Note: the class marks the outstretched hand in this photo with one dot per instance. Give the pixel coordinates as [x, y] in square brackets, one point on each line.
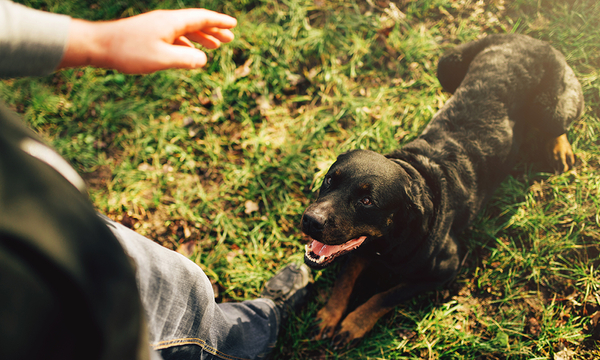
[148, 42]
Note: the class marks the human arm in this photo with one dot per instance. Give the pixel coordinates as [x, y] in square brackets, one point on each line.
[34, 42]
[149, 42]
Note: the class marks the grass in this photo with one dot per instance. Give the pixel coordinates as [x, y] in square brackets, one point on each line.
[220, 163]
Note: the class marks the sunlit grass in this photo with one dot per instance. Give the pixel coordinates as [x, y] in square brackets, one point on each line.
[220, 163]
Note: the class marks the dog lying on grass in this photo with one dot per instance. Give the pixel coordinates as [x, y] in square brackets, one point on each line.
[399, 216]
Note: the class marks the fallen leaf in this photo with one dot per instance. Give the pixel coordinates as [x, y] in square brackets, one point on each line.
[188, 121]
[204, 100]
[263, 103]
[564, 354]
[243, 70]
[176, 116]
[394, 13]
[407, 334]
[385, 32]
[312, 73]
[251, 206]
[145, 167]
[294, 79]
[186, 231]
[232, 254]
[533, 327]
[127, 220]
[187, 248]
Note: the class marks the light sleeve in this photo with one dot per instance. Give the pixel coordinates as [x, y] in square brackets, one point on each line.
[32, 42]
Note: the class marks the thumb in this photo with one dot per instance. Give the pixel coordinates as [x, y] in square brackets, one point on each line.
[183, 57]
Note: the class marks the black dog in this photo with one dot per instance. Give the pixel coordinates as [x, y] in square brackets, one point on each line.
[401, 214]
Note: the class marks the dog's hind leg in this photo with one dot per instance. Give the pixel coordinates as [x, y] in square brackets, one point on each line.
[561, 154]
[554, 107]
[330, 315]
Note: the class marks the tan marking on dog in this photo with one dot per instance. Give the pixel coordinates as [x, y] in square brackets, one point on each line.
[390, 220]
[359, 322]
[331, 314]
[561, 154]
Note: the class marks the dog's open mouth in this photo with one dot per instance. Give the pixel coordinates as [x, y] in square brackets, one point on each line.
[319, 255]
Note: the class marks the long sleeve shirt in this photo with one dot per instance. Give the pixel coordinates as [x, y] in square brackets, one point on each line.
[32, 42]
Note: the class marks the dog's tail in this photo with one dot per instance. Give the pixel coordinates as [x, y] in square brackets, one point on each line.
[454, 64]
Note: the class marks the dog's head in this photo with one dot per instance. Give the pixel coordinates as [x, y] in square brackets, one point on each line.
[364, 196]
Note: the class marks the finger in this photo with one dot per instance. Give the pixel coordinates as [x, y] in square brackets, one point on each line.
[182, 57]
[224, 35]
[191, 20]
[183, 41]
[205, 40]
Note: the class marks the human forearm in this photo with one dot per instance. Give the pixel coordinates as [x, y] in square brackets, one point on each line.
[148, 42]
[34, 42]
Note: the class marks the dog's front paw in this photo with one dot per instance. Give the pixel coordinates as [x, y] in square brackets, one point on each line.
[326, 323]
[352, 331]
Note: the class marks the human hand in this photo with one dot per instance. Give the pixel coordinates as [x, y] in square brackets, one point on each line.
[148, 42]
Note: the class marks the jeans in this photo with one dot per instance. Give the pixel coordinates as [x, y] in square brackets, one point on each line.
[184, 321]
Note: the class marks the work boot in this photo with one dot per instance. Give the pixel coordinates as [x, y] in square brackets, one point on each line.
[288, 289]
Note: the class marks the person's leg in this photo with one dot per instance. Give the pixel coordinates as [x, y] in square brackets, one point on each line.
[184, 320]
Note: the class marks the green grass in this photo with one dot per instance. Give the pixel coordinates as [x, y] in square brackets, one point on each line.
[183, 156]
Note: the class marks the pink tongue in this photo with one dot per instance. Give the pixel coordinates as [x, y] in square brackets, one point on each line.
[328, 250]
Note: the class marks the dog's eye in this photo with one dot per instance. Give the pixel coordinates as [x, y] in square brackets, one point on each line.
[328, 180]
[366, 201]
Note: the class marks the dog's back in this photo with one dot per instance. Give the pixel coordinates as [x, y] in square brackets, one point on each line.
[528, 76]
[503, 85]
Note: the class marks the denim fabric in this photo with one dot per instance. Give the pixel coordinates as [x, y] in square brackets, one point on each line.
[184, 320]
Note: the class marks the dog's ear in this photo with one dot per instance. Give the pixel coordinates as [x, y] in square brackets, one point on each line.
[414, 217]
[421, 204]
[416, 211]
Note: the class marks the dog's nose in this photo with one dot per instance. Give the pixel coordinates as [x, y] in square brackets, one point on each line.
[313, 224]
